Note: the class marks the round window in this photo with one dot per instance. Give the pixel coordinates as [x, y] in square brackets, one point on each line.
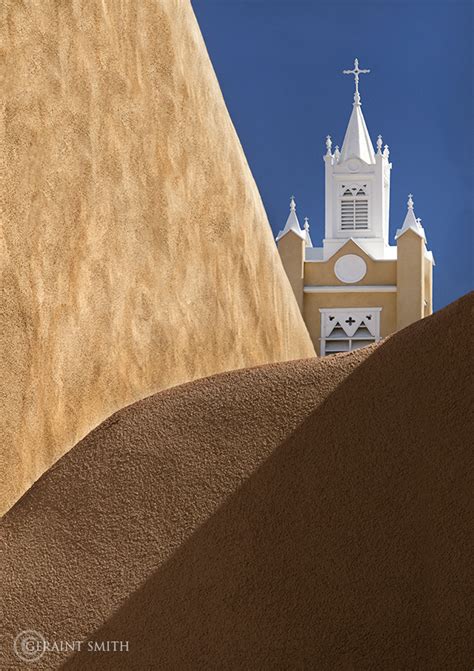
[350, 268]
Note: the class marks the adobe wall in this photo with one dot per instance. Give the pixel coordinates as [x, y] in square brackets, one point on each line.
[135, 252]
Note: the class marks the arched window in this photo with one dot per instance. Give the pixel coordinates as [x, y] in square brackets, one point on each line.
[354, 208]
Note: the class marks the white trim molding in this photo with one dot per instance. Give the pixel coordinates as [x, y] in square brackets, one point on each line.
[361, 288]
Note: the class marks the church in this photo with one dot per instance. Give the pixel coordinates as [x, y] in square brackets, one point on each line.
[357, 288]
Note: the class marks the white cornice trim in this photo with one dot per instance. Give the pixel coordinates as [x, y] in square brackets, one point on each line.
[362, 288]
[357, 241]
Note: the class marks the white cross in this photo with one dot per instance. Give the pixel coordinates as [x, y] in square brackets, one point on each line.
[356, 72]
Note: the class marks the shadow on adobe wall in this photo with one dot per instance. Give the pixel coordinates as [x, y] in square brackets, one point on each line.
[343, 551]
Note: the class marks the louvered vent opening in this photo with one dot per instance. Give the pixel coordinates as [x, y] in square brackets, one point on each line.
[347, 214]
[354, 209]
[361, 213]
[346, 329]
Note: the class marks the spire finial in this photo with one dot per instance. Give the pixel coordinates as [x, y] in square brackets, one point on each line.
[292, 204]
[356, 72]
[328, 145]
[410, 201]
[337, 153]
[386, 151]
[306, 224]
[379, 144]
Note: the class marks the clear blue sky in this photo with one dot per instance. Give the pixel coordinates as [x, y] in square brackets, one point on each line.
[279, 65]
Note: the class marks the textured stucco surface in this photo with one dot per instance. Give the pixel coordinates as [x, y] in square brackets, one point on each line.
[135, 253]
[303, 515]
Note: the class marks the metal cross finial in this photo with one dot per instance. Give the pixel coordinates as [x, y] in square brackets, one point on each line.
[356, 72]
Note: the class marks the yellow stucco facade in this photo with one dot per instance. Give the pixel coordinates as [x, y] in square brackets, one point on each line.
[400, 288]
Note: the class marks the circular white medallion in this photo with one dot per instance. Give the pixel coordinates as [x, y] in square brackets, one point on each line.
[350, 268]
[353, 165]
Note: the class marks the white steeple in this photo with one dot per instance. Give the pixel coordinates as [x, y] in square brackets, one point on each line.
[292, 223]
[357, 187]
[357, 143]
[411, 222]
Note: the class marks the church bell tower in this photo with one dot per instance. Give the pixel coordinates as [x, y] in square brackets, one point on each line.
[357, 288]
[357, 184]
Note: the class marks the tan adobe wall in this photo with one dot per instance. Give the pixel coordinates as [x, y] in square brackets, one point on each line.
[135, 252]
[308, 515]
